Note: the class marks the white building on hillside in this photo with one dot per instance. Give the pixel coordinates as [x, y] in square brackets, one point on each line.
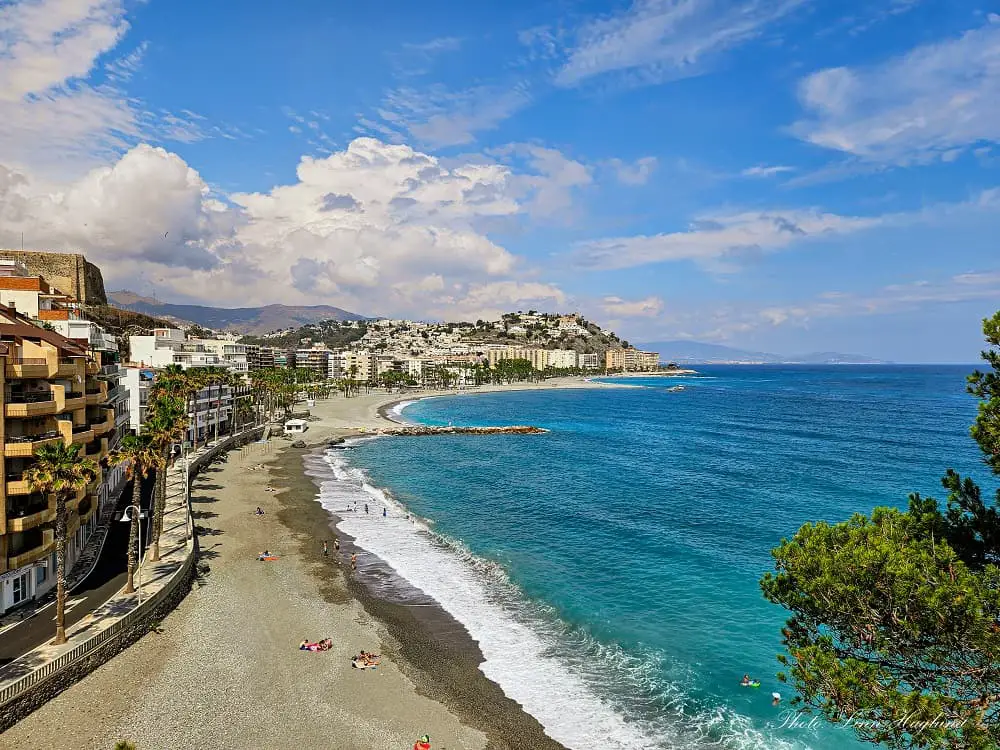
[168, 346]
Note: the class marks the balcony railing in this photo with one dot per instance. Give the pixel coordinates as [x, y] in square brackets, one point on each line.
[33, 438]
[78, 428]
[27, 505]
[27, 361]
[34, 397]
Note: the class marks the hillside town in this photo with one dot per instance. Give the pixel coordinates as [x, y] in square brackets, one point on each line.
[69, 380]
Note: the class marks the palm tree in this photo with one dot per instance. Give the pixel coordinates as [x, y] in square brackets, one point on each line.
[60, 471]
[141, 455]
[165, 425]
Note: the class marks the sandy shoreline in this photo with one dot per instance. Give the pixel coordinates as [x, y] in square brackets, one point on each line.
[226, 670]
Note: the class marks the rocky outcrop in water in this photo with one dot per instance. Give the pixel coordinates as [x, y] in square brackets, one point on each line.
[415, 430]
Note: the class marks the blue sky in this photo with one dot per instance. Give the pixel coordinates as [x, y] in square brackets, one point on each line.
[783, 175]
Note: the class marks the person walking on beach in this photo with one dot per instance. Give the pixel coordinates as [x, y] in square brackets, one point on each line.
[336, 544]
[354, 562]
[384, 513]
[366, 509]
[325, 550]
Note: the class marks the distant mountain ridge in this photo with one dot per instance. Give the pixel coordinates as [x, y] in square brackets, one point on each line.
[697, 352]
[254, 320]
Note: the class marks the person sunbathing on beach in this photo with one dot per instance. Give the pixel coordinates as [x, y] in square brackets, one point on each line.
[424, 743]
[263, 555]
[259, 511]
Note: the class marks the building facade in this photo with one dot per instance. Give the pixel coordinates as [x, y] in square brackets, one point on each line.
[631, 360]
[51, 393]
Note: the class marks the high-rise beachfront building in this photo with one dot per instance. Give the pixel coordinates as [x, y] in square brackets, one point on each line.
[589, 361]
[316, 358]
[52, 392]
[539, 358]
[631, 360]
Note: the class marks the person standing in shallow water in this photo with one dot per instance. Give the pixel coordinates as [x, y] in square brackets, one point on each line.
[336, 544]
[354, 562]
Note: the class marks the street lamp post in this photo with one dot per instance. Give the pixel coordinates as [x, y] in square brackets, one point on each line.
[127, 518]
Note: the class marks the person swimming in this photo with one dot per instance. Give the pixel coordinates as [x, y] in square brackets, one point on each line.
[746, 681]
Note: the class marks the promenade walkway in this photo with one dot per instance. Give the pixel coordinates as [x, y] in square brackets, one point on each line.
[176, 545]
[98, 574]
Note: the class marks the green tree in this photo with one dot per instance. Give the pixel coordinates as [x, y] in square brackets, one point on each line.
[166, 423]
[59, 470]
[895, 618]
[141, 456]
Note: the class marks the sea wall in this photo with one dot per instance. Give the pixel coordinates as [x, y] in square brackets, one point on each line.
[32, 690]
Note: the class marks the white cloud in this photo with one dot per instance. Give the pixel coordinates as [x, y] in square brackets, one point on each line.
[48, 42]
[439, 116]
[486, 301]
[667, 39]
[762, 170]
[636, 173]
[54, 119]
[650, 307]
[374, 227]
[926, 104]
[712, 240]
[550, 189]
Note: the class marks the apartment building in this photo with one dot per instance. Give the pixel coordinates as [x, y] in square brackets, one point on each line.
[234, 355]
[316, 358]
[210, 413]
[30, 295]
[562, 359]
[631, 360]
[169, 346]
[355, 364]
[588, 361]
[540, 358]
[51, 393]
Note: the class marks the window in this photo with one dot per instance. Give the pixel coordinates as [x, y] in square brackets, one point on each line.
[20, 588]
[41, 575]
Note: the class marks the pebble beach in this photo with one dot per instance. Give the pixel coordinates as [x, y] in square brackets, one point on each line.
[224, 670]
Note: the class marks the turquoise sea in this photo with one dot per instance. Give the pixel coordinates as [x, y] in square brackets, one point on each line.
[609, 567]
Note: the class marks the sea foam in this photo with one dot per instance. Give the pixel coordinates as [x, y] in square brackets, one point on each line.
[580, 690]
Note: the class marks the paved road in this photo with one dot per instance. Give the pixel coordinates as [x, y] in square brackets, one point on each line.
[107, 577]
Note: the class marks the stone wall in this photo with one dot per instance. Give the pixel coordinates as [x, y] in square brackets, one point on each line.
[44, 691]
[70, 273]
[141, 620]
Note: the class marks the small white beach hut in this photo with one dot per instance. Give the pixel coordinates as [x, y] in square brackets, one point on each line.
[296, 426]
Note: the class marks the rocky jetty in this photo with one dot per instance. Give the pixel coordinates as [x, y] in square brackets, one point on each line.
[417, 430]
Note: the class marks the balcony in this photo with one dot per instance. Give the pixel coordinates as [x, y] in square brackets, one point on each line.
[29, 404]
[75, 400]
[87, 508]
[38, 544]
[70, 367]
[27, 367]
[82, 434]
[103, 428]
[28, 512]
[93, 368]
[25, 446]
[96, 394]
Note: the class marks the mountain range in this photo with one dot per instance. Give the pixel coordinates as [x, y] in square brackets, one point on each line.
[696, 352]
[253, 320]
